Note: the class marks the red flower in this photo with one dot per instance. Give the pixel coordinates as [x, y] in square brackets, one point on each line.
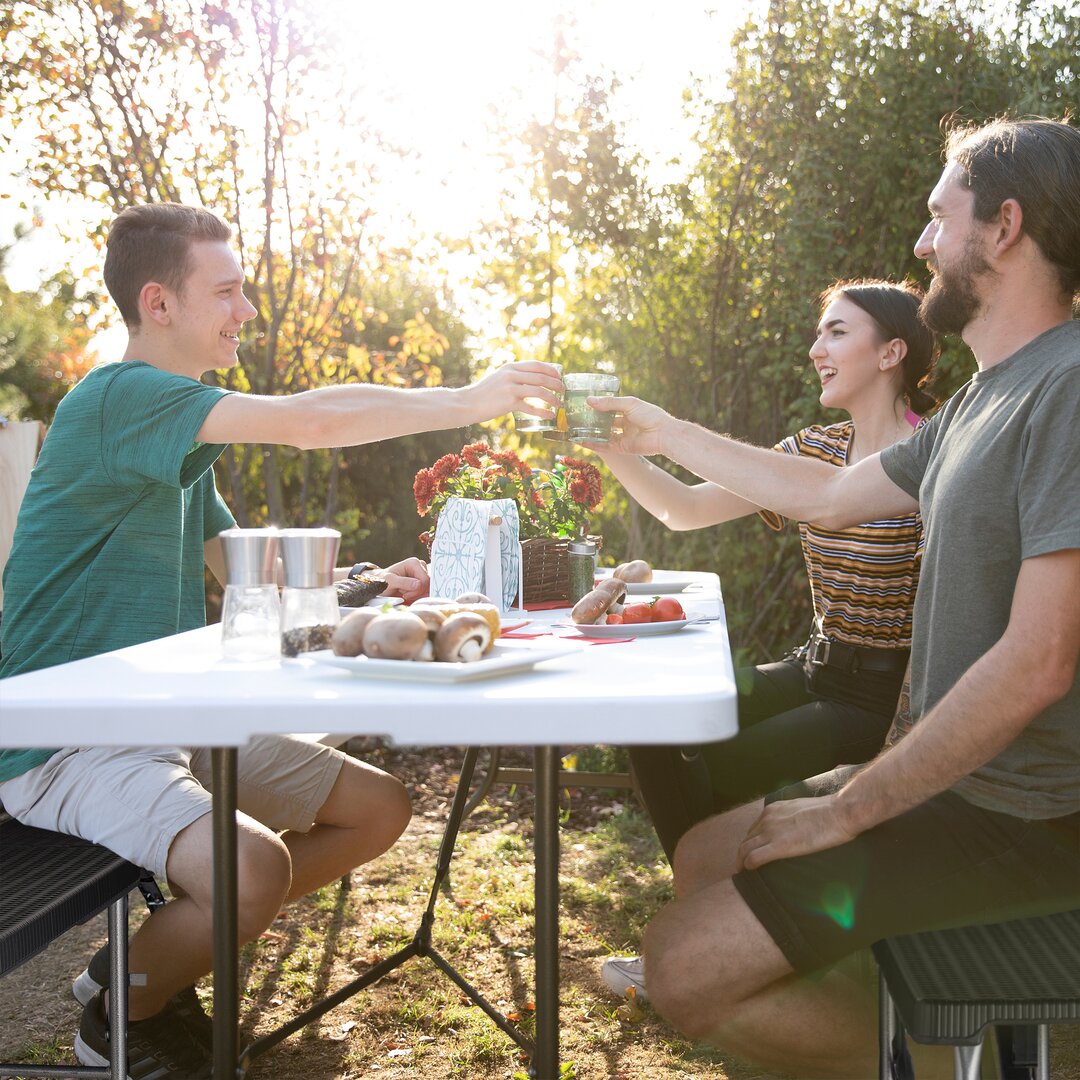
[579, 491]
[472, 452]
[445, 467]
[552, 503]
[424, 488]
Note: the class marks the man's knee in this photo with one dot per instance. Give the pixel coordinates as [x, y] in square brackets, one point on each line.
[263, 870]
[688, 993]
[264, 875]
[397, 809]
[708, 852]
[706, 957]
[374, 804]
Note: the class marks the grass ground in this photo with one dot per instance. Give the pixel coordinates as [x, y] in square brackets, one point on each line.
[415, 1022]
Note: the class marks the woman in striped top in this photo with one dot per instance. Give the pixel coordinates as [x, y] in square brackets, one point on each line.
[829, 702]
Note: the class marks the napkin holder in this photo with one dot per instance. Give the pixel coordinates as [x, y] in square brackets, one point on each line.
[476, 549]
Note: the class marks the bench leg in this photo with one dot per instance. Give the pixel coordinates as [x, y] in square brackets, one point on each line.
[894, 1061]
[118, 996]
[966, 1060]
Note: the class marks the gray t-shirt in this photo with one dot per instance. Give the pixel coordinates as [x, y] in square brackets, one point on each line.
[997, 476]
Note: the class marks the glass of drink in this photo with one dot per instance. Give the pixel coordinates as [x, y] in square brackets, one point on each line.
[585, 424]
[525, 422]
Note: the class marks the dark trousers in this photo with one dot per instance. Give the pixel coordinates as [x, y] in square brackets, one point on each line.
[787, 732]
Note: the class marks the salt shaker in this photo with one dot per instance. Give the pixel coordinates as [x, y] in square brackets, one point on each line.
[251, 614]
[309, 606]
[582, 556]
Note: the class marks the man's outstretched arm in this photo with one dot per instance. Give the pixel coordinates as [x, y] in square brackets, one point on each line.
[796, 487]
[360, 413]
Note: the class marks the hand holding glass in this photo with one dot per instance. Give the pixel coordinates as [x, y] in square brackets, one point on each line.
[524, 422]
[584, 423]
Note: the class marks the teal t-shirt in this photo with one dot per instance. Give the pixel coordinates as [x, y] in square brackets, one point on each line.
[108, 548]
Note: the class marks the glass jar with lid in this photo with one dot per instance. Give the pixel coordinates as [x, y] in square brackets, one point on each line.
[582, 557]
[251, 612]
[309, 607]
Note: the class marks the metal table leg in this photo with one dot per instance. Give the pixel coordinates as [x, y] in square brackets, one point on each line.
[545, 1064]
[226, 961]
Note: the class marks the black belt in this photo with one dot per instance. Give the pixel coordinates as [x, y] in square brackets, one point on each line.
[824, 652]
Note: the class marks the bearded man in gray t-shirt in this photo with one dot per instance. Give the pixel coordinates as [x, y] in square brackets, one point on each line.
[973, 815]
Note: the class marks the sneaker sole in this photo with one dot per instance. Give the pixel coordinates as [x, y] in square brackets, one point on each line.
[84, 988]
[86, 1055]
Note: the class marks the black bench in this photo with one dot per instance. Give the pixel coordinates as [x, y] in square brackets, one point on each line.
[50, 883]
[946, 987]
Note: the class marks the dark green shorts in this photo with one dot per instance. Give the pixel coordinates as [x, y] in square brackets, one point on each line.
[943, 863]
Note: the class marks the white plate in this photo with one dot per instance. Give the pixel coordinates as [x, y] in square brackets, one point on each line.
[658, 588]
[502, 660]
[625, 630]
[653, 588]
[375, 601]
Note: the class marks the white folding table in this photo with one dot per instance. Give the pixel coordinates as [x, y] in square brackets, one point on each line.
[675, 688]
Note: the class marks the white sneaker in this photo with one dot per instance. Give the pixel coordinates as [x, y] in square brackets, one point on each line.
[620, 973]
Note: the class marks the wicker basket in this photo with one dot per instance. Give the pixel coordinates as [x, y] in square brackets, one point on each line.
[545, 569]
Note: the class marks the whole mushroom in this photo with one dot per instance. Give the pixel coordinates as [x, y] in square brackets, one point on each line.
[348, 636]
[433, 618]
[395, 635]
[638, 570]
[607, 596]
[473, 598]
[463, 637]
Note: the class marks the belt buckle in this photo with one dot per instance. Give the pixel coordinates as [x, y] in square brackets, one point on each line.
[820, 648]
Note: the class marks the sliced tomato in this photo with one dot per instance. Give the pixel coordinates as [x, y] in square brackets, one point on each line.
[667, 609]
[614, 620]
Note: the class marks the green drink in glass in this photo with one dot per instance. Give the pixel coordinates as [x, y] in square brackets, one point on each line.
[585, 424]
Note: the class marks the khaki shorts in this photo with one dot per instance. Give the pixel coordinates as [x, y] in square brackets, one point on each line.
[135, 801]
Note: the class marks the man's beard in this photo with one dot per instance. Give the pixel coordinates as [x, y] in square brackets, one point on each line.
[952, 300]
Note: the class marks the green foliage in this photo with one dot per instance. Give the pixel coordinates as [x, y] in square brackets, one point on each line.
[43, 340]
[132, 102]
[814, 165]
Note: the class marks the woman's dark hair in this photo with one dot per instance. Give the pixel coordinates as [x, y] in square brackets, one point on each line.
[153, 243]
[894, 307]
[1037, 163]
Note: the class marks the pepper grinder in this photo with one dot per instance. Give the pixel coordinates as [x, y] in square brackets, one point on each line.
[251, 614]
[309, 606]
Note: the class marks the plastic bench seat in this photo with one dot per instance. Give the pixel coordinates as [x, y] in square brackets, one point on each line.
[50, 883]
[948, 986]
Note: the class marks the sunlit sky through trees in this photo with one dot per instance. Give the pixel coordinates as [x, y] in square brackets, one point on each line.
[429, 75]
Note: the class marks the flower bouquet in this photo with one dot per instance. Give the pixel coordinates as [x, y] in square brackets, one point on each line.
[553, 506]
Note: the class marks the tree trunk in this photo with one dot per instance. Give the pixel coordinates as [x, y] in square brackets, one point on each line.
[275, 497]
[332, 485]
[235, 469]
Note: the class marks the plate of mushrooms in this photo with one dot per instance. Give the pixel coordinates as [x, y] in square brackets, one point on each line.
[446, 641]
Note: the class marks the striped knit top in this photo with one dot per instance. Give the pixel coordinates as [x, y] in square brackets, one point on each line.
[862, 579]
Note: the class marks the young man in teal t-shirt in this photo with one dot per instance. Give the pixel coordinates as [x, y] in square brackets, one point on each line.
[118, 521]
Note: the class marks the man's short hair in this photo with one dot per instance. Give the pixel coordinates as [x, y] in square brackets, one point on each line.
[1037, 163]
[153, 243]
